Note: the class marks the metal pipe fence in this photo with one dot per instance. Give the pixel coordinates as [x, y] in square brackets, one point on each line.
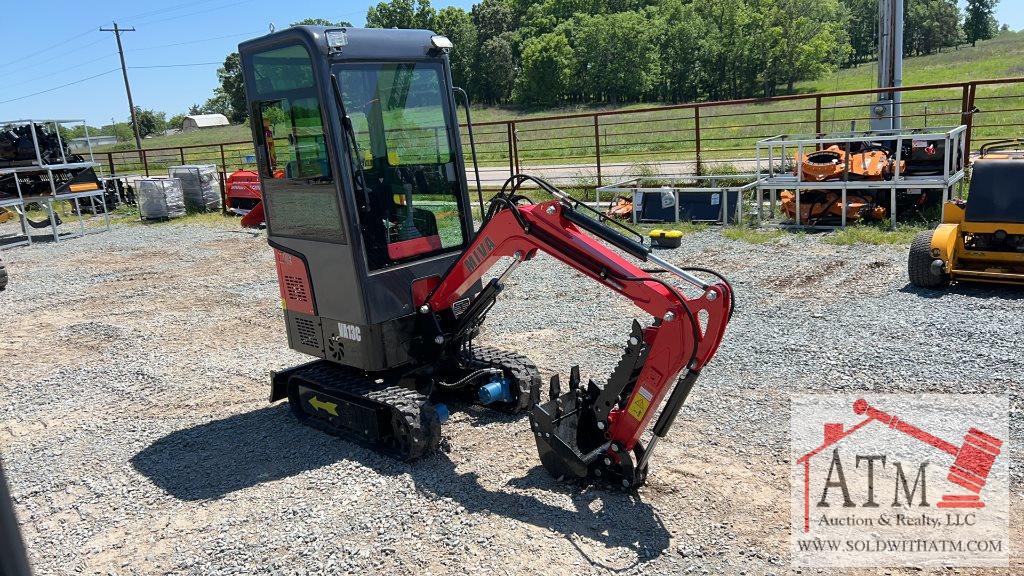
[589, 149]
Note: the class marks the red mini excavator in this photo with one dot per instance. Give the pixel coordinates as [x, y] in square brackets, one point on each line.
[384, 279]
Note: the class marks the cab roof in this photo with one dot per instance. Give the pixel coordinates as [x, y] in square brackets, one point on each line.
[363, 43]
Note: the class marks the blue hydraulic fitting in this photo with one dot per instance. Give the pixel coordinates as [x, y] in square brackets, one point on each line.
[442, 413]
[497, 390]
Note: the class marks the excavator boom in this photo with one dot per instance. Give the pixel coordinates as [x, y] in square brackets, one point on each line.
[596, 427]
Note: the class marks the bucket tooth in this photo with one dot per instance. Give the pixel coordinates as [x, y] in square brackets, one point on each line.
[554, 388]
[574, 378]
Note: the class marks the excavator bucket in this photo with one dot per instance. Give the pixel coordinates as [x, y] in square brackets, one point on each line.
[571, 434]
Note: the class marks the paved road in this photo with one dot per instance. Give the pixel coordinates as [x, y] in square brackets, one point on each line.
[586, 174]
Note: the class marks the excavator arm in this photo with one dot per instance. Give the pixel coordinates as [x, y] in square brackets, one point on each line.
[589, 431]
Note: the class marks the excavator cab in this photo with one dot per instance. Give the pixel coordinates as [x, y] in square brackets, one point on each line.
[363, 180]
[382, 275]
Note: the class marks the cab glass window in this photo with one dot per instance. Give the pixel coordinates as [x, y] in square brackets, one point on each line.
[294, 137]
[406, 174]
[301, 200]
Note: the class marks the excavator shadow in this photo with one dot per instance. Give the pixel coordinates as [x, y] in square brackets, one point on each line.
[212, 460]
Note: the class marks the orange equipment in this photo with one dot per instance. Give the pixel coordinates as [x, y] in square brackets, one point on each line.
[621, 208]
[821, 165]
[833, 163]
[817, 204]
[872, 162]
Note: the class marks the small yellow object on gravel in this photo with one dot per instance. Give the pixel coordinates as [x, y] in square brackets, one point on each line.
[666, 238]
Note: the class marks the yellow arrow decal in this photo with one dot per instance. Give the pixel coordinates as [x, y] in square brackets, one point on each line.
[329, 407]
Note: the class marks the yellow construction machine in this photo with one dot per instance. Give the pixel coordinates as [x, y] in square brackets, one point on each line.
[980, 239]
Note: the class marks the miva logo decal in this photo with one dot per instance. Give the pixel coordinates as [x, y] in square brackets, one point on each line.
[481, 252]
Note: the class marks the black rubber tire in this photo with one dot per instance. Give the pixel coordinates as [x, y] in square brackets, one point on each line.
[519, 368]
[919, 263]
[3, 276]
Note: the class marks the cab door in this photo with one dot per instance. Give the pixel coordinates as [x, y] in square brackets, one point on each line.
[305, 215]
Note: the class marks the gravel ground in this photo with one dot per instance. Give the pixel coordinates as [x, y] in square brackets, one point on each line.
[135, 433]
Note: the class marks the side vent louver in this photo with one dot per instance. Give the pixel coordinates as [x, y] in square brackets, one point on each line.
[296, 288]
[307, 332]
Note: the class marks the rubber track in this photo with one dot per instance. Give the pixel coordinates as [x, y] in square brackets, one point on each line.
[522, 370]
[919, 262]
[424, 428]
[3, 276]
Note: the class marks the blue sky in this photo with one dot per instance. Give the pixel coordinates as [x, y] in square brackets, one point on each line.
[203, 32]
[206, 31]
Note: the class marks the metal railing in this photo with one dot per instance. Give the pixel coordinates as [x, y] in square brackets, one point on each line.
[588, 149]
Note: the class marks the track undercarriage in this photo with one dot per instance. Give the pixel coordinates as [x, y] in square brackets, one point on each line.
[400, 412]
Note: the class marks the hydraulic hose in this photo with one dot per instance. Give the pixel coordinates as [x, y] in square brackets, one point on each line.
[468, 377]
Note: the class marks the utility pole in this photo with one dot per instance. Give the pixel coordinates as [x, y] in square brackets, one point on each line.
[127, 87]
[890, 57]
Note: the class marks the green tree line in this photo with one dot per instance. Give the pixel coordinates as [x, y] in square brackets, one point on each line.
[554, 52]
[610, 51]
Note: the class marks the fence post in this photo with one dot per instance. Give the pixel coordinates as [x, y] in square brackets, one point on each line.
[597, 148]
[181, 150]
[110, 162]
[817, 117]
[145, 161]
[515, 147]
[223, 196]
[223, 179]
[963, 101]
[967, 116]
[511, 154]
[696, 138]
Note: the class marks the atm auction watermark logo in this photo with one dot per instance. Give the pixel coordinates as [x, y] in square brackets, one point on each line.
[899, 480]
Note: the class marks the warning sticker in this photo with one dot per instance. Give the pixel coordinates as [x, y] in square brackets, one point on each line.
[641, 402]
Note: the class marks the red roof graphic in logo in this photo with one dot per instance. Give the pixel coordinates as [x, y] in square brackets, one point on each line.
[971, 465]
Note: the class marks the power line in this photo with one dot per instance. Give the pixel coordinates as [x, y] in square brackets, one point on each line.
[62, 70]
[50, 59]
[104, 74]
[47, 49]
[175, 65]
[201, 40]
[187, 14]
[166, 9]
[59, 87]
